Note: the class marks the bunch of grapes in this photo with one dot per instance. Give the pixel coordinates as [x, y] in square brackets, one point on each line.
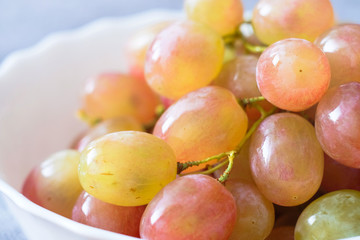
[224, 128]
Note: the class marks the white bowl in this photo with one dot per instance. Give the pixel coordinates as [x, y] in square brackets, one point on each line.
[39, 96]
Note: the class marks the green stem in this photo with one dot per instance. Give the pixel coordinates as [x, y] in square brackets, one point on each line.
[209, 171]
[253, 48]
[226, 174]
[246, 101]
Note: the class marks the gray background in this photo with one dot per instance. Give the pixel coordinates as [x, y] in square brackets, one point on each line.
[25, 22]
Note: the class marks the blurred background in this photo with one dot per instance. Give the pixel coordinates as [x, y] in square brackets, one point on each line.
[23, 23]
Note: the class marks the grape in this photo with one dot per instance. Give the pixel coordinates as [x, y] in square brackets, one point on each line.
[341, 44]
[239, 76]
[282, 233]
[255, 214]
[338, 176]
[194, 207]
[337, 124]
[93, 212]
[335, 215]
[54, 184]
[176, 65]
[126, 168]
[293, 74]
[286, 159]
[138, 45]
[223, 16]
[201, 124]
[109, 126]
[111, 95]
[274, 20]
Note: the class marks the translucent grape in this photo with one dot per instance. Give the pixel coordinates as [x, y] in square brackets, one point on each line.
[239, 76]
[125, 123]
[138, 44]
[335, 215]
[111, 95]
[286, 159]
[176, 65]
[293, 74]
[338, 176]
[274, 20]
[93, 212]
[341, 44]
[255, 214]
[201, 124]
[54, 184]
[223, 16]
[126, 168]
[194, 207]
[337, 124]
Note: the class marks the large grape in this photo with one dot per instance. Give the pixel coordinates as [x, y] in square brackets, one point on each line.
[337, 124]
[293, 74]
[126, 168]
[223, 16]
[54, 184]
[335, 215]
[255, 214]
[93, 212]
[184, 57]
[341, 44]
[274, 20]
[194, 207]
[203, 123]
[286, 159]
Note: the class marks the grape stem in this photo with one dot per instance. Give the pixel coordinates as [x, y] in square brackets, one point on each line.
[246, 101]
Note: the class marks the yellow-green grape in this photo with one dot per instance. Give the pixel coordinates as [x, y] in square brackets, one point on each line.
[274, 20]
[223, 16]
[127, 168]
[184, 57]
[335, 215]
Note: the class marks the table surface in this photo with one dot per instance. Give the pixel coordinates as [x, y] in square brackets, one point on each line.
[23, 23]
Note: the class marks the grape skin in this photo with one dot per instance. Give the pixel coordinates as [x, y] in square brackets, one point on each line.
[293, 74]
[176, 65]
[286, 159]
[93, 212]
[193, 207]
[126, 168]
[341, 44]
[274, 20]
[337, 124]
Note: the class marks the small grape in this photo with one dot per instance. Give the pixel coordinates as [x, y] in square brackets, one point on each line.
[126, 168]
[184, 57]
[54, 184]
[337, 124]
[293, 74]
[274, 20]
[223, 16]
[335, 215]
[93, 212]
[193, 207]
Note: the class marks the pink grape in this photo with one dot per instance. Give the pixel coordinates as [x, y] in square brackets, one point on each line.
[286, 159]
[54, 184]
[341, 44]
[293, 74]
[193, 207]
[176, 65]
[191, 129]
[274, 20]
[337, 123]
[96, 213]
[255, 214]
